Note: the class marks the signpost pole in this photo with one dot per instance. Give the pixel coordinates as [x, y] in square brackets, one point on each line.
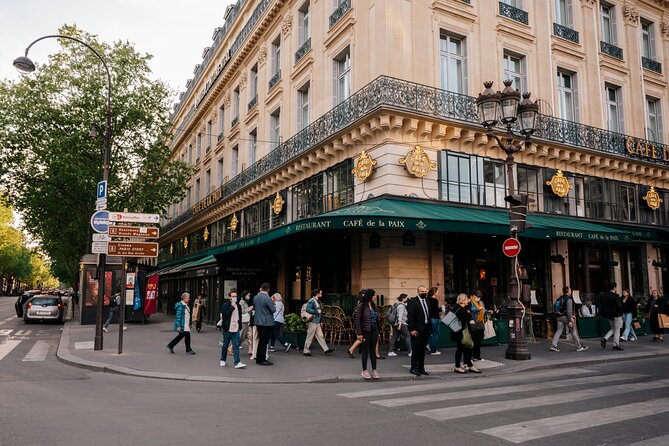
[121, 319]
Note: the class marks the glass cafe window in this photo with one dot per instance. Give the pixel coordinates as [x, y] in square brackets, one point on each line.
[495, 185]
[529, 184]
[472, 179]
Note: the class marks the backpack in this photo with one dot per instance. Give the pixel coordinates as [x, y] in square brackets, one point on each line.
[392, 314]
[306, 317]
[559, 306]
[113, 303]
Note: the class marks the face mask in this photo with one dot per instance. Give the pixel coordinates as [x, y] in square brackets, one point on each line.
[423, 295]
[234, 299]
[477, 299]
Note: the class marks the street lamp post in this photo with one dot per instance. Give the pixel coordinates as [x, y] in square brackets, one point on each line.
[505, 107]
[25, 65]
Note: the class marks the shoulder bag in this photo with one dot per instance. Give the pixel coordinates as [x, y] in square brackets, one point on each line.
[489, 330]
[467, 340]
[452, 321]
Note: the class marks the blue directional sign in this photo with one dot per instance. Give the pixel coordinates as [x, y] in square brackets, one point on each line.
[102, 189]
[100, 221]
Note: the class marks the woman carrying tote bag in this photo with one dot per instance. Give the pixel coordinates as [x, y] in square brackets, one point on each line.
[463, 337]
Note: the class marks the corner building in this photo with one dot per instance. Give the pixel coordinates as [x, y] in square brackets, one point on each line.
[337, 144]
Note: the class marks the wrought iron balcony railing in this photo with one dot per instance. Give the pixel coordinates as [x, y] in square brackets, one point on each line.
[513, 13]
[409, 97]
[253, 102]
[612, 50]
[651, 65]
[234, 122]
[274, 80]
[565, 32]
[339, 12]
[306, 46]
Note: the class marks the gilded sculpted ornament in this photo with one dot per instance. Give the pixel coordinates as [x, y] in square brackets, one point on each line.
[171, 248]
[185, 242]
[205, 234]
[418, 163]
[653, 199]
[559, 184]
[277, 206]
[234, 222]
[364, 167]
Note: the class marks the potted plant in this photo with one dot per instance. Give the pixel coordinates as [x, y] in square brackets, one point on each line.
[294, 330]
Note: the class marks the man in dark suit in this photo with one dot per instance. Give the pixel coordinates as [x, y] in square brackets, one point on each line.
[611, 308]
[420, 329]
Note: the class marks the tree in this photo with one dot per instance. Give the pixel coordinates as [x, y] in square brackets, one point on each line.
[15, 258]
[49, 166]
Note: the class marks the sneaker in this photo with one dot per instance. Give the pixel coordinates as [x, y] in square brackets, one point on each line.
[582, 348]
[190, 352]
[171, 349]
[478, 359]
[220, 343]
[125, 328]
[435, 353]
[365, 374]
[603, 342]
[271, 349]
[623, 339]
[222, 363]
[105, 329]
[328, 351]
[307, 354]
[240, 365]
[288, 345]
[392, 354]
[375, 374]
[409, 355]
[555, 349]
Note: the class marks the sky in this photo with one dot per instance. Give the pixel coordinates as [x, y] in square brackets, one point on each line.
[174, 31]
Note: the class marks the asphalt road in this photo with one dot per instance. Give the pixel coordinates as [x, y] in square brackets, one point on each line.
[45, 402]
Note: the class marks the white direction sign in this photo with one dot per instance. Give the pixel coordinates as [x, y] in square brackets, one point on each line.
[100, 204]
[99, 248]
[101, 238]
[128, 217]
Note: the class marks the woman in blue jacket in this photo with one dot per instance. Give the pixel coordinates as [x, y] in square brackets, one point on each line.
[182, 324]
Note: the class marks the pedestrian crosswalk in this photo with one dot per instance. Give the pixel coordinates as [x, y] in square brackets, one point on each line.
[542, 404]
[16, 349]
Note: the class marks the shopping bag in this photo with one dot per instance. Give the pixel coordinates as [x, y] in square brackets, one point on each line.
[636, 324]
[489, 330]
[467, 340]
[452, 321]
[663, 320]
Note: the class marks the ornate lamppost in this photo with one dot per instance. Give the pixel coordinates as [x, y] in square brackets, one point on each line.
[25, 65]
[506, 108]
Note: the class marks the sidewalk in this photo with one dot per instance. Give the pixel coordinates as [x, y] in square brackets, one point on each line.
[145, 354]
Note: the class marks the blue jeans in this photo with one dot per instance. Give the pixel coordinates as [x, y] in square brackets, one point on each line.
[432, 343]
[276, 335]
[227, 338]
[627, 318]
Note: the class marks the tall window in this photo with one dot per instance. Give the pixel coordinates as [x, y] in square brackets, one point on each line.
[343, 76]
[567, 99]
[253, 93]
[235, 103]
[276, 56]
[253, 146]
[628, 203]
[210, 130]
[188, 197]
[197, 190]
[647, 40]
[654, 120]
[452, 59]
[608, 23]
[207, 182]
[190, 154]
[303, 107]
[221, 120]
[198, 147]
[563, 13]
[614, 108]
[235, 162]
[304, 23]
[220, 172]
[529, 183]
[275, 128]
[515, 3]
[514, 69]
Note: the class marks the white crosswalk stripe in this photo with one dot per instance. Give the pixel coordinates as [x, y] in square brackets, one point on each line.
[7, 347]
[39, 352]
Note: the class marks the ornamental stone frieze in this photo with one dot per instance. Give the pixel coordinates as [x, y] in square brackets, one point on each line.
[287, 25]
[262, 55]
[664, 28]
[227, 100]
[631, 14]
[242, 81]
[589, 3]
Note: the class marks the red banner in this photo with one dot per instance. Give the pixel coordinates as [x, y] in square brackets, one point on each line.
[151, 295]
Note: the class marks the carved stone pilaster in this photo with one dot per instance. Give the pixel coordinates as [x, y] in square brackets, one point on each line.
[664, 28]
[287, 25]
[262, 56]
[227, 100]
[631, 14]
[242, 81]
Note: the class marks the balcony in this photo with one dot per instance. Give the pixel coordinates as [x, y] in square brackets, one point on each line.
[274, 80]
[220, 136]
[339, 12]
[431, 103]
[612, 50]
[513, 13]
[565, 32]
[253, 102]
[235, 121]
[652, 65]
[306, 46]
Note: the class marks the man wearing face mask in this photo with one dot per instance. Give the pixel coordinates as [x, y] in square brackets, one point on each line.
[420, 328]
[231, 316]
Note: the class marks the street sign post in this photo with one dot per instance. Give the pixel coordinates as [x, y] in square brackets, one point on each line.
[99, 248]
[101, 237]
[511, 247]
[133, 249]
[129, 217]
[100, 221]
[134, 231]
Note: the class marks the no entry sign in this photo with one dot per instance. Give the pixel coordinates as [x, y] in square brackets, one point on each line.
[511, 247]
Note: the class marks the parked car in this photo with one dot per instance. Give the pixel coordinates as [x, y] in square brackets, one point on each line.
[22, 300]
[44, 308]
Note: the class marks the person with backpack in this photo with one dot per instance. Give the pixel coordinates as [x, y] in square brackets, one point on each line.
[313, 315]
[114, 305]
[398, 317]
[563, 308]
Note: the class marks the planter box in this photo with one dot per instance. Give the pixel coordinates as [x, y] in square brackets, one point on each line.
[297, 339]
[444, 339]
[587, 327]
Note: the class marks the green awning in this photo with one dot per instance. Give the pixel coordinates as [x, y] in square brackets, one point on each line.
[557, 227]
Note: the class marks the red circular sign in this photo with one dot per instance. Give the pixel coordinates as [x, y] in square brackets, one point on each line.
[511, 247]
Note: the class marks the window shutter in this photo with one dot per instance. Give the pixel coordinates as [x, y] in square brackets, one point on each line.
[465, 68]
[621, 113]
[651, 36]
[659, 118]
[575, 87]
[570, 14]
[614, 28]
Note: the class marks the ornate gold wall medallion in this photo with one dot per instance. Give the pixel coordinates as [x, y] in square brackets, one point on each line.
[653, 199]
[277, 206]
[205, 234]
[185, 242]
[559, 184]
[418, 163]
[364, 167]
[234, 222]
[171, 248]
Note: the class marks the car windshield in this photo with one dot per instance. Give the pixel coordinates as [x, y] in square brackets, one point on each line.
[44, 301]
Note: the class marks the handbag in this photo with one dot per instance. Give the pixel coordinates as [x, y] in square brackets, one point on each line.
[452, 321]
[663, 320]
[467, 340]
[489, 330]
[636, 324]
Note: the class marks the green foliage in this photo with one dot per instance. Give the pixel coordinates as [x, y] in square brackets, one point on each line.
[49, 166]
[294, 323]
